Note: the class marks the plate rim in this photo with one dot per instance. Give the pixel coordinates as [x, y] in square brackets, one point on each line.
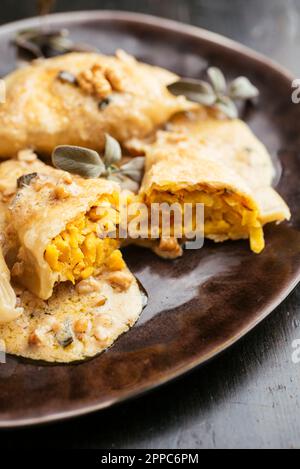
[214, 38]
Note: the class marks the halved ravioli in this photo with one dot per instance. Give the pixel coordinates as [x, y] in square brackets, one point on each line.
[76, 98]
[66, 229]
[57, 227]
[77, 322]
[26, 163]
[182, 170]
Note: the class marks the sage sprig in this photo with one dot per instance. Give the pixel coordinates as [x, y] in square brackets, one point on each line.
[216, 93]
[88, 163]
[36, 43]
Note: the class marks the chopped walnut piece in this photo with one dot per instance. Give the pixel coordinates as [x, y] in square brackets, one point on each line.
[35, 339]
[103, 320]
[50, 325]
[89, 285]
[67, 179]
[7, 195]
[168, 248]
[8, 192]
[124, 57]
[178, 137]
[53, 325]
[101, 301]
[41, 183]
[120, 280]
[82, 325]
[60, 192]
[115, 78]
[101, 334]
[94, 82]
[169, 244]
[18, 290]
[101, 80]
[27, 155]
[18, 269]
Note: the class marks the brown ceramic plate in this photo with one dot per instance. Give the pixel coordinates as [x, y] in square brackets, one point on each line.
[198, 305]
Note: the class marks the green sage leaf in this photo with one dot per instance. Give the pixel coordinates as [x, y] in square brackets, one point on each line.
[217, 79]
[227, 107]
[113, 152]
[242, 88]
[134, 169]
[65, 336]
[39, 43]
[104, 103]
[195, 90]
[78, 160]
[124, 181]
[26, 41]
[25, 180]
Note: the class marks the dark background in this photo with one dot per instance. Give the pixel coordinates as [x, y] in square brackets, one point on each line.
[270, 26]
[248, 397]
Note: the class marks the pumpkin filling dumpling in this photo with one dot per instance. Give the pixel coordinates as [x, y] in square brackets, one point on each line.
[187, 172]
[77, 321]
[66, 229]
[78, 245]
[76, 98]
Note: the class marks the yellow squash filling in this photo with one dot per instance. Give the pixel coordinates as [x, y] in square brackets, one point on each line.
[78, 252]
[226, 215]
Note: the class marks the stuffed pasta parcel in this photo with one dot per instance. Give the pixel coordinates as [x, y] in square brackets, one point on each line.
[76, 98]
[220, 164]
[70, 294]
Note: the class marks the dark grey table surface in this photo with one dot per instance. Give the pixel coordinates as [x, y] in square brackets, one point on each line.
[249, 396]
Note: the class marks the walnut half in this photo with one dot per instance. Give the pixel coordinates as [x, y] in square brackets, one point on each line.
[121, 281]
